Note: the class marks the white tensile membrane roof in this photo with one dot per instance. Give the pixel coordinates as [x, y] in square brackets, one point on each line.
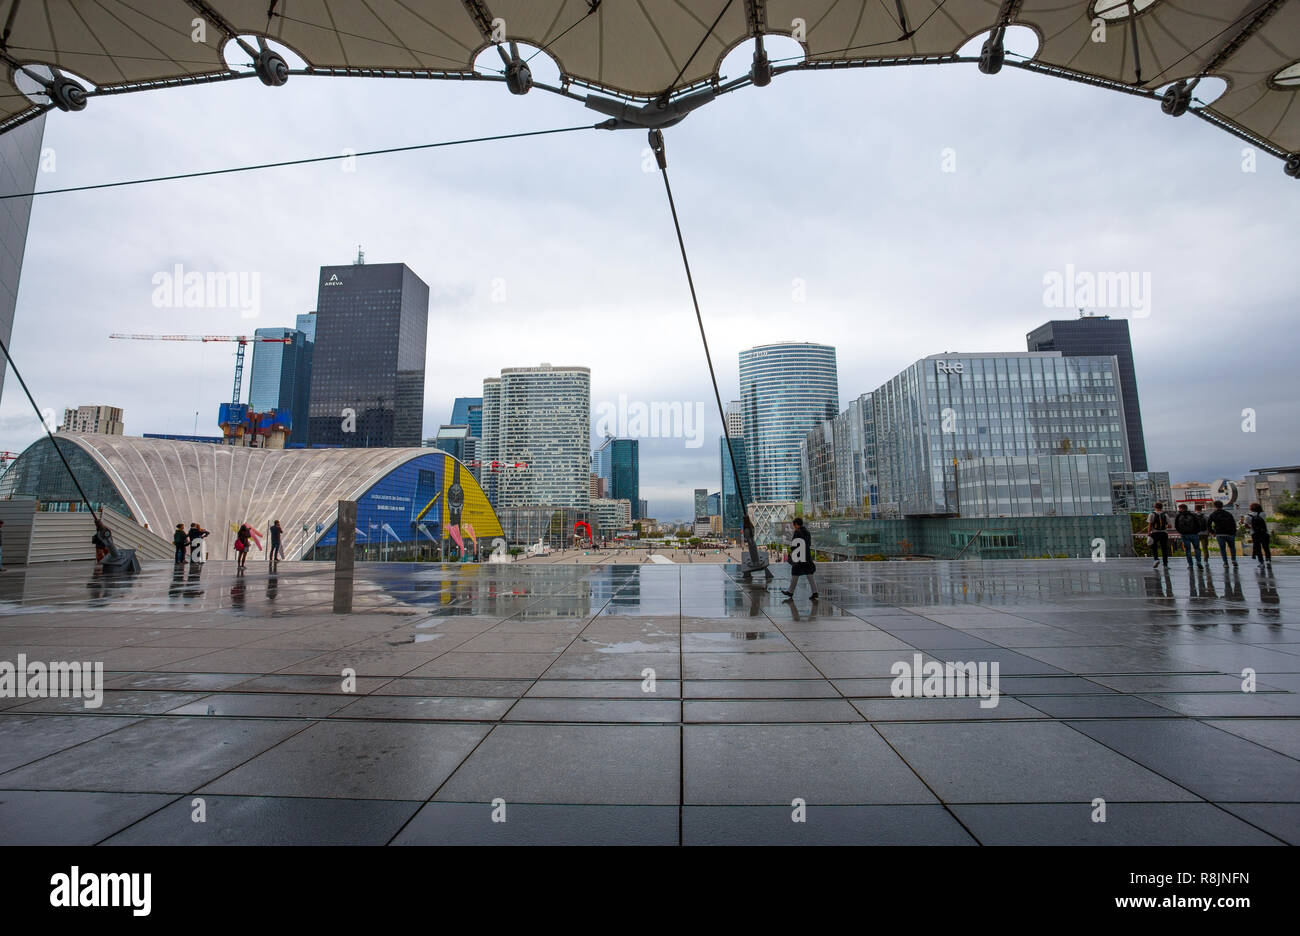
[659, 50]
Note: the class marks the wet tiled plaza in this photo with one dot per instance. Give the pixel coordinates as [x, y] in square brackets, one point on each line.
[658, 704]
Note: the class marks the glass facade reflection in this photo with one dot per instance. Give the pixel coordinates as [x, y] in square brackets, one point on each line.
[368, 361]
[281, 377]
[949, 409]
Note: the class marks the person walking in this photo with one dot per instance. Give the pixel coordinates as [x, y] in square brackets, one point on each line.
[241, 545]
[276, 552]
[1189, 528]
[196, 535]
[180, 541]
[1158, 530]
[1224, 528]
[801, 561]
[1259, 537]
[1203, 530]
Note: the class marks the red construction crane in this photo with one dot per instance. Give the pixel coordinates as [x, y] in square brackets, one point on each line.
[239, 355]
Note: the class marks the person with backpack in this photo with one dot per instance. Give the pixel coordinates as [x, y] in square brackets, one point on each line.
[801, 560]
[1259, 537]
[1203, 530]
[1189, 529]
[1158, 530]
[1224, 528]
[180, 541]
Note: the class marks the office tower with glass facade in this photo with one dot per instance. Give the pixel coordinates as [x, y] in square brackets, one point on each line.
[701, 502]
[1101, 336]
[838, 459]
[20, 157]
[367, 382]
[785, 390]
[468, 411]
[946, 412]
[306, 323]
[545, 428]
[281, 377]
[618, 462]
[489, 449]
[731, 512]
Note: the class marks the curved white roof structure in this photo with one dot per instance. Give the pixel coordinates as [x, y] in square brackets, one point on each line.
[630, 52]
[164, 482]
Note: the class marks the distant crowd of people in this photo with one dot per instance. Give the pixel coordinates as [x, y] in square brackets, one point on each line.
[1194, 528]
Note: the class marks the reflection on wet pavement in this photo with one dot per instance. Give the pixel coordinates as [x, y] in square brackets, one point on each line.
[656, 703]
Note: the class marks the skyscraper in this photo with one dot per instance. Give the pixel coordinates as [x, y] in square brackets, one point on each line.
[545, 425]
[701, 502]
[281, 377]
[20, 155]
[618, 461]
[731, 513]
[785, 390]
[1100, 335]
[367, 383]
[468, 411]
[490, 446]
[306, 323]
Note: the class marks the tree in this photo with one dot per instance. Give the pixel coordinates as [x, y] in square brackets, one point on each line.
[1289, 506]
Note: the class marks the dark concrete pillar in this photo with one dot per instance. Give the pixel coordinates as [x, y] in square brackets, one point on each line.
[345, 556]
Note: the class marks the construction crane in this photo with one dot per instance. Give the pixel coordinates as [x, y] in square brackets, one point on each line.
[243, 340]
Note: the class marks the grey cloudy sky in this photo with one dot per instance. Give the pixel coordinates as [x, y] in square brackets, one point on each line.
[832, 178]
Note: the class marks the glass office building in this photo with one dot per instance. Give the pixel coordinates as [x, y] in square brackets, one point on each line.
[20, 155]
[1093, 336]
[368, 361]
[731, 512]
[468, 411]
[618, 461]
[838, 460]
[544, 437]
[947, 411]
[281, 377]
[785, 390]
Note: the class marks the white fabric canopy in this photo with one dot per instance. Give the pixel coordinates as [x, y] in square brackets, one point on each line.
[645, 49]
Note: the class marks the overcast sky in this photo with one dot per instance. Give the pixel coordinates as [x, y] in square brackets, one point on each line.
[835, 179]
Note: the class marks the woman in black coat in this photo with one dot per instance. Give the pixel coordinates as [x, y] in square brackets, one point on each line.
[801, 561]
